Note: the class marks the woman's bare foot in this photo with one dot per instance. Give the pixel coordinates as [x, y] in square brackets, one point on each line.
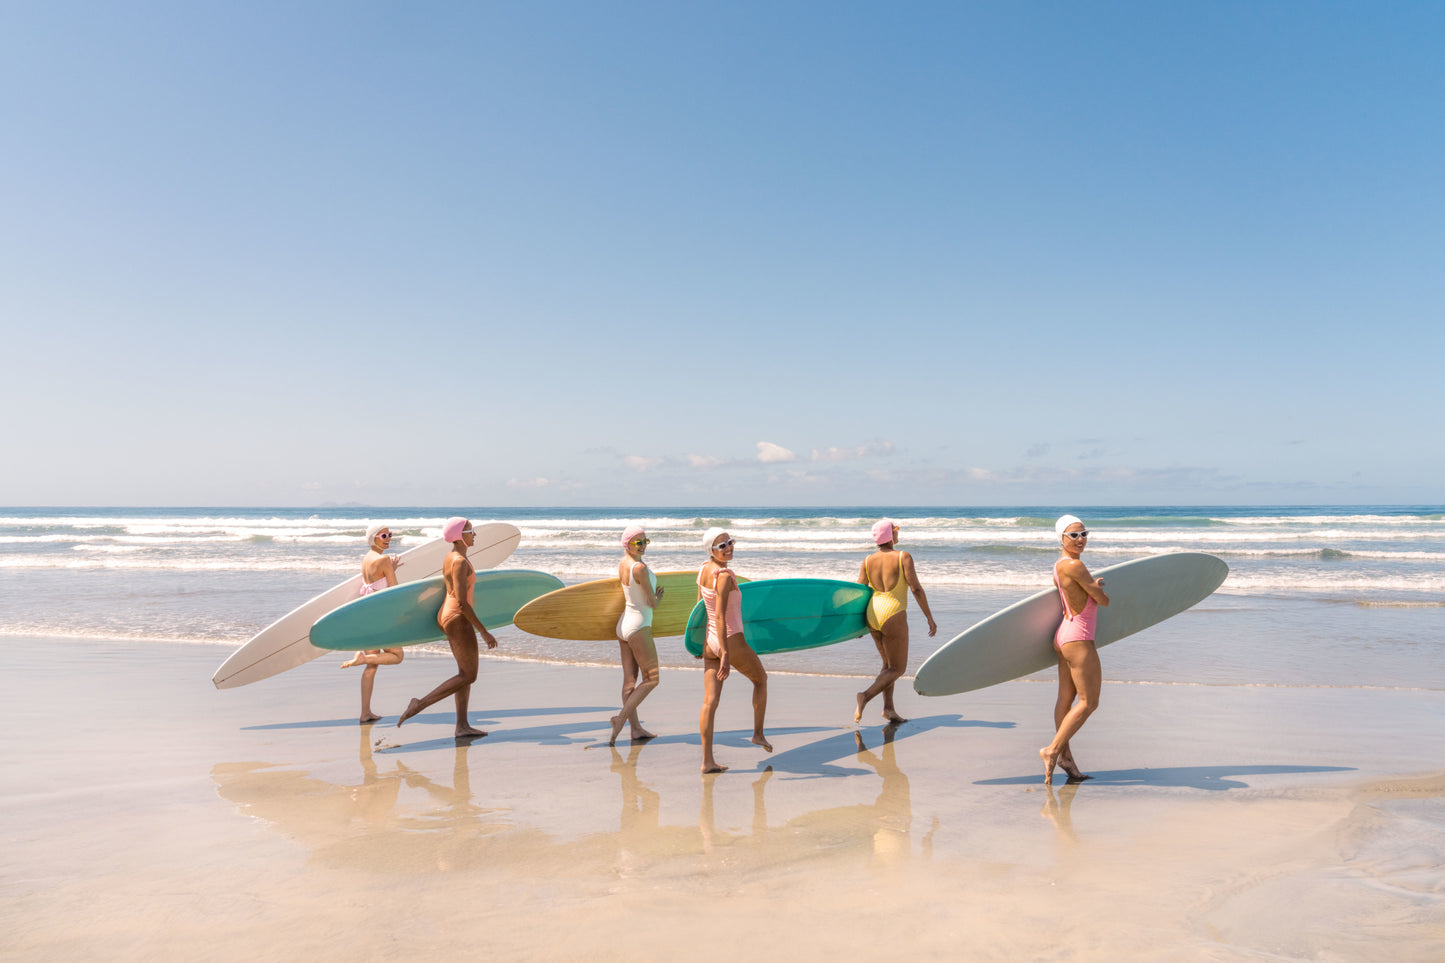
[357, 659]
[862, 701]
[1050, 760]
[617, 722]
[761, 740]
[640, 734]
[367, 717]
[467, 732]
[708, 770]
[412, 709]
[893, 717]
[1071, 768]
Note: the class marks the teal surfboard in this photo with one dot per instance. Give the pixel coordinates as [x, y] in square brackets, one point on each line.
[407, 614]
[787, 614]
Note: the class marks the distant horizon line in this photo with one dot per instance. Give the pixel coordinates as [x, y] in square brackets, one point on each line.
[331, 506]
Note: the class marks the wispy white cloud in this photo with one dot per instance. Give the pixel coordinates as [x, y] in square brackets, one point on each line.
[770, 453]
[641, 463]
[872, 449]
[538, 482]
[703, 461]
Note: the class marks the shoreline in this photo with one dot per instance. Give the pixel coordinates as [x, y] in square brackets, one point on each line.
[264, 821]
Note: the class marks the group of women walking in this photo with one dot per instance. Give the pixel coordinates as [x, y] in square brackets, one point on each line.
[888, 571]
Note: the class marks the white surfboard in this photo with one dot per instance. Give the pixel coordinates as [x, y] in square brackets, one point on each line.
[1019, 640]
[284, 644]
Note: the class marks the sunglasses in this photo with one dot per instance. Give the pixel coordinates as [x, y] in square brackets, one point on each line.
[643, 542]
[385, 535]
[468, 531]
[1077, 535]
[721, 546]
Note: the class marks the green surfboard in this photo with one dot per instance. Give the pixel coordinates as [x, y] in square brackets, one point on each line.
[787, 614]
[407, 614]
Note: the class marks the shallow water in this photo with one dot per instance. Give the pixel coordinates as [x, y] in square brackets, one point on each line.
[1320, 596]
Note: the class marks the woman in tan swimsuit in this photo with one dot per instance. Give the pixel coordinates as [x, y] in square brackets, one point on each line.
[462, 626]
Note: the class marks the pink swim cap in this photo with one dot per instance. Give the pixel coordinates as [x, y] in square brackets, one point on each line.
[452, 530]
[631, 532]
[883, 531]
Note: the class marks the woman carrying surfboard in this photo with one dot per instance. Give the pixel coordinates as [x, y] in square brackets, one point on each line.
[640, 596]
[726, 646]
[891, 575]
[1079, 673]
[378, 571]
[459, 621]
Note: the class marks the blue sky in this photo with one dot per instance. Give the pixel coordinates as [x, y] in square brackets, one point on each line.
[736, 254]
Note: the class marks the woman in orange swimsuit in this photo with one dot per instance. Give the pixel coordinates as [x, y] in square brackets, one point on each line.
[888, 614]
[459, 621]
[726, 646]
[378, 571]
[1080, 676]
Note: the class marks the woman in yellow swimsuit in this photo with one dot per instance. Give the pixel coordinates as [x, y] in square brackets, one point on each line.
[891, 575]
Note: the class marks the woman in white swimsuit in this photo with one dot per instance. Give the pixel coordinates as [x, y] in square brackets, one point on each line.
[640, 595]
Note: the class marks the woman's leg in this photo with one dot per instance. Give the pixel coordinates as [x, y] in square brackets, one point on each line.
[639, 657]
[892, 643]
[1062, 705]
[1086, 677]
[711, 693]
[368, 681]
[463, 640]
[746, 661]
[372, 659]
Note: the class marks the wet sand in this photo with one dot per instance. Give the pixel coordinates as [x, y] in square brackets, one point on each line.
[146, 814]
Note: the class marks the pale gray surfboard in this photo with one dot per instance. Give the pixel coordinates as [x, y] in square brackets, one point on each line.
[1019, 640]
[286, 643]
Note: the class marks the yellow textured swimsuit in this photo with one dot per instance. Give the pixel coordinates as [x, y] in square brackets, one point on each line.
[884, 605]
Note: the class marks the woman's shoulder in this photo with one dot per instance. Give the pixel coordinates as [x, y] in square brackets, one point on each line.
[1070, 566]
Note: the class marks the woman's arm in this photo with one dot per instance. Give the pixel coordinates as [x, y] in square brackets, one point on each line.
[457, 584]
[1078, 573]
[906, 561]
[638, 575]
[724, 586]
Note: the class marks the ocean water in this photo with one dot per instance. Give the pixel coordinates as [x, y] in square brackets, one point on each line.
[1322, 596]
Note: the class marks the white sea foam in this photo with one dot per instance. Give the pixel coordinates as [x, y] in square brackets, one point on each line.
[177, 565]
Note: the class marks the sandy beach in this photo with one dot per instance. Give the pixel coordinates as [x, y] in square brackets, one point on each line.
[147, 814]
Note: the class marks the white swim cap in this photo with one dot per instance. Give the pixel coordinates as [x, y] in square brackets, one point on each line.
[371, 533]
[710, 536]
[1064, 522]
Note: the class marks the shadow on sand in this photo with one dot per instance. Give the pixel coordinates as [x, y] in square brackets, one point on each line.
[435, 717]
[1213, 778]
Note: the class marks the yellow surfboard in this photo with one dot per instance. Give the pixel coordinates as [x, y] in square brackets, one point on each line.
[589, 612]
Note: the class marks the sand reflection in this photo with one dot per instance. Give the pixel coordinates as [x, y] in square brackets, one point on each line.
[399, 818]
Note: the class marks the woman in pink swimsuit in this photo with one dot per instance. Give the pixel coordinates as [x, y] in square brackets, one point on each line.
[378, 571]
[726, 646]
[1079, 672]
[459, 621]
